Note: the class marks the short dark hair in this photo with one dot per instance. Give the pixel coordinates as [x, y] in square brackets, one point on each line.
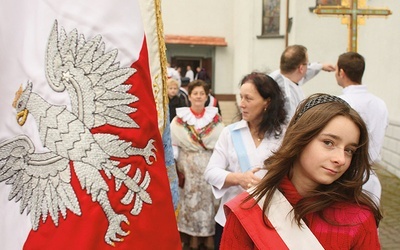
[292, 57]
[353, 64]
[185, 81]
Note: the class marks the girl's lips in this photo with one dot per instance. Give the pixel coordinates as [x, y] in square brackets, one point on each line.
[331, 171]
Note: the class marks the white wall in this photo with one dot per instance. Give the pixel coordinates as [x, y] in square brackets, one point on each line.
[378, 42]
[391, 149]
[205, 18]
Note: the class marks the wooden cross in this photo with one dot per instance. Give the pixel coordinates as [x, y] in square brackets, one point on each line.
[354, 12]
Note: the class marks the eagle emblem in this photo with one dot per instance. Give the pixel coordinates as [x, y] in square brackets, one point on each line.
[41, 182]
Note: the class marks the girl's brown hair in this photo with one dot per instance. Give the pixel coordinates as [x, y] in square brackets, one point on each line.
[311, 117]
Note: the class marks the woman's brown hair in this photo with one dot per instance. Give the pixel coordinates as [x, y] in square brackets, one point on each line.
[198, 83]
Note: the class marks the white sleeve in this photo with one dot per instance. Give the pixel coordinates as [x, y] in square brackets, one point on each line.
[216, 171]
[312, 70]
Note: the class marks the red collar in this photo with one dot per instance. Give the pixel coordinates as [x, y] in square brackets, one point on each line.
[198, 115]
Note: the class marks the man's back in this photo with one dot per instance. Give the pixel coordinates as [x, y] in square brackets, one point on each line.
[374, 112]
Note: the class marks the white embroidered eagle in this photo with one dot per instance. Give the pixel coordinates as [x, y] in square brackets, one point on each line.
[41, 182]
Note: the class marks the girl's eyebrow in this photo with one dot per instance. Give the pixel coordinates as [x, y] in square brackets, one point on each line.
[338, 138]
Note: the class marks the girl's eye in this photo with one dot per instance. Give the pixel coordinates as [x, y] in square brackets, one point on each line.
[328, 143]
[350, 151]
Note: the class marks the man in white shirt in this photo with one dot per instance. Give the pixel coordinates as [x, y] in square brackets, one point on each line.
[189, 73]
[349, 72]
[173, 73]
[294, 71]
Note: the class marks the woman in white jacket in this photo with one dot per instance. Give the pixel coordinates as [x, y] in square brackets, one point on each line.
[237, 160]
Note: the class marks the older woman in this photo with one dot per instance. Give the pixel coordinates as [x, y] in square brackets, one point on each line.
[243, 146]
[194, 132]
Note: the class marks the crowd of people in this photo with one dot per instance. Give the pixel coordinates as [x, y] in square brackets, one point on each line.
[292, 173]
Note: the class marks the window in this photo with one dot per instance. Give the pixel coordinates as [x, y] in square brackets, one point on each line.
[271, 17]
[329, 2]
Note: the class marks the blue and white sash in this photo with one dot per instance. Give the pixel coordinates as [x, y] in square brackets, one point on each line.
[240, 148]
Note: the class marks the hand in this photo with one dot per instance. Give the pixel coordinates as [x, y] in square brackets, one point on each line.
[249, 179]
[328, 67]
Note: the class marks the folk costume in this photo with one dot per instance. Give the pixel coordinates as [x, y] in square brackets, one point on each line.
[353, 226]
[193, 140]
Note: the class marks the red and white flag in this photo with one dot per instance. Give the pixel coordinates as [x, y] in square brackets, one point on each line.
[81, 156]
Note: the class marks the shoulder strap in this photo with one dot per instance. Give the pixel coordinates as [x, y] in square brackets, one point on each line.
[240, 148]
[280, 214]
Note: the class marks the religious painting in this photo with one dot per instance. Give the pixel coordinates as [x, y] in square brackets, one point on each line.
[329, 2]
[271, 17]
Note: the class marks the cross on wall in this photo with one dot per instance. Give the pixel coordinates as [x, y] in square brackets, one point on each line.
[353, 12]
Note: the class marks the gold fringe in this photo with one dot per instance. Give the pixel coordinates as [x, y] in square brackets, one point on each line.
[163, 59]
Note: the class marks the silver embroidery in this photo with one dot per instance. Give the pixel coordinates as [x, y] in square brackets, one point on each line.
[41, 182]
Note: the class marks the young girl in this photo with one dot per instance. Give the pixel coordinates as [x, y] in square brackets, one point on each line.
[311, 197]
[175, 100]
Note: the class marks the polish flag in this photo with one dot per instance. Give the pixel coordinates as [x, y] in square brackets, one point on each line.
[84, 169]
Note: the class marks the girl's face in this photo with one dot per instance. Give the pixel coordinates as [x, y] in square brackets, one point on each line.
[252, 104]
[198, 97]
[327, 156]
[172, 90]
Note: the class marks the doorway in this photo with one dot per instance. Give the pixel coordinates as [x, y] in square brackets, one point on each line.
[194, 62]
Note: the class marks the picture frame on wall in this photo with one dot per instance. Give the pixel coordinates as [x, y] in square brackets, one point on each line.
[271, 17]
[328, 2]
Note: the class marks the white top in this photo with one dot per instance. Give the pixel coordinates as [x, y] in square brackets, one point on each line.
[292, 91]
[224, 160]
[373, 111]
[173, 73]
[190, 75]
